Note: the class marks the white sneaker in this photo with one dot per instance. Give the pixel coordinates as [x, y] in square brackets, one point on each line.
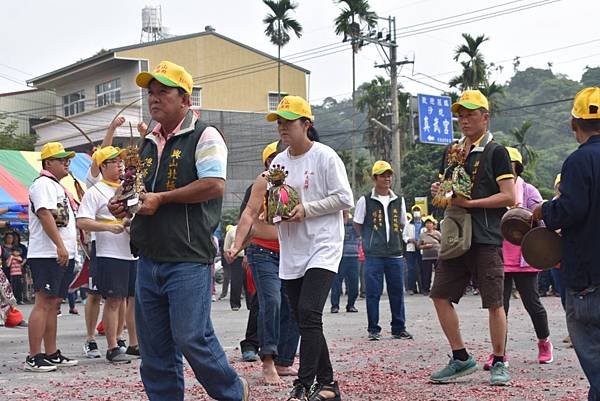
[90, 349]
[38, 363]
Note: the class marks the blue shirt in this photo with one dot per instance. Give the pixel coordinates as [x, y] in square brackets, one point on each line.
[418, 226]
[577, 213]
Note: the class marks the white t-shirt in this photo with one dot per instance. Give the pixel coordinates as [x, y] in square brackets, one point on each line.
[94, 206]
[47, 193]
[316, 242]
[90, 180]
[361, 209]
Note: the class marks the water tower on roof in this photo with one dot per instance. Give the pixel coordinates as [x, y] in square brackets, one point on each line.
[152, 28]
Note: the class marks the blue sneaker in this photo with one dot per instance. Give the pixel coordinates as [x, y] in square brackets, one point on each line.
[453, 370]
[499, 374]
[249, 356]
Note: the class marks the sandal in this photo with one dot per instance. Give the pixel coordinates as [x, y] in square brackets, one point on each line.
[333, 387]
[298, 393]
[246, 389]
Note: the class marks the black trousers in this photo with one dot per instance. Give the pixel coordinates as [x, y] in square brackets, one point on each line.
[427, 266]
[250, 342]
[17, 286]
[527, 285]
[307, 296]
[238, 282]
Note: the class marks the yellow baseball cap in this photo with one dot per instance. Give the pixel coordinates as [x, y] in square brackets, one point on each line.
[429, 218]
[292, 108]
[515, 155]
[269, 150]
[471, 99]
[380, 167]
[169, 74]
[55, 150]
[557, 180]
[587, 104]
[228, 228]
[415, 207]
[409, 217]
[107, 153]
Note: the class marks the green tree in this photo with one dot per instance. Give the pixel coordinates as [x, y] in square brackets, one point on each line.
[520, 137]
[374, 99]
[591, 76]
[9, 139]
[419, 169]
[362, 168]
[279, 23]
[474, 68]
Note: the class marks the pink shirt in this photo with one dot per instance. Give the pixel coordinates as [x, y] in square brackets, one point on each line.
[526, 196]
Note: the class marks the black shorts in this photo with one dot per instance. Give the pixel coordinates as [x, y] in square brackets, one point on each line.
[484, 263]
[115, 278]
[50, 277]
[92, 284]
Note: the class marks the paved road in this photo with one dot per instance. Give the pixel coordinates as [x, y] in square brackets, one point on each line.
[385, 370]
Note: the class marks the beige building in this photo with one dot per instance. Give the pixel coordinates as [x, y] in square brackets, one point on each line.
[228, 75]
[27, 108]
[234, 86]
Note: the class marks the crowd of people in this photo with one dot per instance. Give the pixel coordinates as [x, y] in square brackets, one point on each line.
[299, 237]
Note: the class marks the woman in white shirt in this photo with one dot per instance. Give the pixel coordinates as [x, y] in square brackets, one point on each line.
[311, 239]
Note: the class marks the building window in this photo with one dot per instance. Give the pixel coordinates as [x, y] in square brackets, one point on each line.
[74, 103]
[108, 92]
[274, 100]
[196, 96]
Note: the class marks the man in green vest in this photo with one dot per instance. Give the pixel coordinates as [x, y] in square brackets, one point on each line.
[379, 218]
[488, 165]
[183, 164]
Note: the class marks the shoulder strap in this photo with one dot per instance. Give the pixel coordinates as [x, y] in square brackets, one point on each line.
[489, 148]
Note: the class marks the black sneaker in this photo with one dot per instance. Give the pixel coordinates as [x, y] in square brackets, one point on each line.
[117, 355]
[351, 309]
[403, 335]
[38, 363]
[133, 350]
[335, 309]
[59, 360]
[122, 344]
[374, 337]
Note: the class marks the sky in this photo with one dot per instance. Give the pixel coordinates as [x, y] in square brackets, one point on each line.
[41, 36]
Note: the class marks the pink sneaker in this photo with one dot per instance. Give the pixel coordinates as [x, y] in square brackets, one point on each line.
[545, 354]
[488, 363]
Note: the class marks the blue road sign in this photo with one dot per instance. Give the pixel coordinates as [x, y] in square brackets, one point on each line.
[435, 119]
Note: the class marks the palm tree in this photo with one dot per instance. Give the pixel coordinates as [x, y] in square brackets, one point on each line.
[520, 136]
[348, 24]
[279, 23]
[493, 92]
[474, 75]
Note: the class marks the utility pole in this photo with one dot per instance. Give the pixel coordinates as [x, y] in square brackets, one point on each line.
[390, 42]
[385, 41]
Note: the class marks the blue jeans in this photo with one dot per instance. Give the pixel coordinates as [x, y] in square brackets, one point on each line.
[348, 270]
[413, 267]
[172, 311]
[278, 332]
[556, 277]
[583, 322]
[375, 269]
